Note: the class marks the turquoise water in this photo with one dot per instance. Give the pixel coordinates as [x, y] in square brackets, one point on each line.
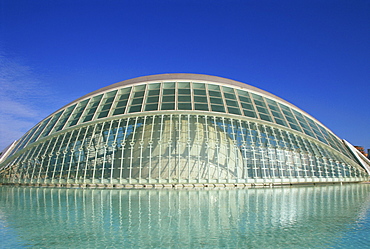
[292, 217]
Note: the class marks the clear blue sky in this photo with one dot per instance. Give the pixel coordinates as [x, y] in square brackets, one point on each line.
[313, 53]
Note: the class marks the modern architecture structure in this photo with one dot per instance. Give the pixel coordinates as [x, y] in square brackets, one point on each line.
[180, 130]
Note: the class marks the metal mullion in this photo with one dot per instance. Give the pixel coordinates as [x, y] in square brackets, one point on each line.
[169, 142]
[160, 149]
[25, 160]
[64, 155]
[42, 128]
[141, 143]
[207, 146]
[88, 151]
[105, 150]
[123, 144]
[188, 141]
[150, 149]
[244, 145]
[132, 143]
[208, 98]
[50, 156]
[254, 105]
[198, 146]
[253, 151]
[85, 111]
[80, 152]
[72, 150]
[217, 145]
[129, 99]
[234, 145]
[261, 150]
[114, 144]
[178, 143]
[67, 120]
[269, 154]
[144, 98]
[99, 107]
[57, 157]
[31, 134]
[42, 161]
[36, 158]
[20, 169]
[97, 147]
[277, 150]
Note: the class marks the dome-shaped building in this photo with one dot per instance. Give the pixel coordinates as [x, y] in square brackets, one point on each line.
[180, 130]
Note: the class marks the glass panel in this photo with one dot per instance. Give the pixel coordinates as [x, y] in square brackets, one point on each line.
[229, 96]
[233, 110]
[168, 106]
[199, 85]
[203, 107]
[154, 86]
[183, 85]
[137, 101]
[231, 103]
[184, 106]
[199, 92]
[168, 91]
[153, 92]
[168, 85]
[218, 108]
[200, 99]
[215, 94]
[184, 91]
[247, 106]
[152, 99]
[213, 87]
[168, 98]
[249, 113]
[184, 99]
[151, 107]
[216, 101]
[227, 89]
[139, 94]
[135, 108]
[139, 88]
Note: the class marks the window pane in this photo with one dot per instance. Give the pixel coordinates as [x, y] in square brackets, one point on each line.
[168, 106]
[184, 99]
[199, 85]
[135, 108]
[214, 87]
[151, 107]
[184, 106]
[152, 99]
[168, 91]
[200, 99]
[229, 96]
[233, 110]
[184, 91]
[169, 98]
[216, 101]
[231, 103]
[154, 86]
[153, 92]
[137, 101]
[199, 92]
[218, 108]
[183, 85]
[203, 107]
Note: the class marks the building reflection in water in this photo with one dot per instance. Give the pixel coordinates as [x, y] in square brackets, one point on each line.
[263, 218]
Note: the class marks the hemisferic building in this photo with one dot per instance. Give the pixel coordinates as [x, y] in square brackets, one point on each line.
[180, 130]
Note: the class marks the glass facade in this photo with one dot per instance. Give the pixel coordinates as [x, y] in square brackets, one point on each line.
[180, 130]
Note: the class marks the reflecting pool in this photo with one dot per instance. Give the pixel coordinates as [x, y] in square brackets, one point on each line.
[331, 216]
